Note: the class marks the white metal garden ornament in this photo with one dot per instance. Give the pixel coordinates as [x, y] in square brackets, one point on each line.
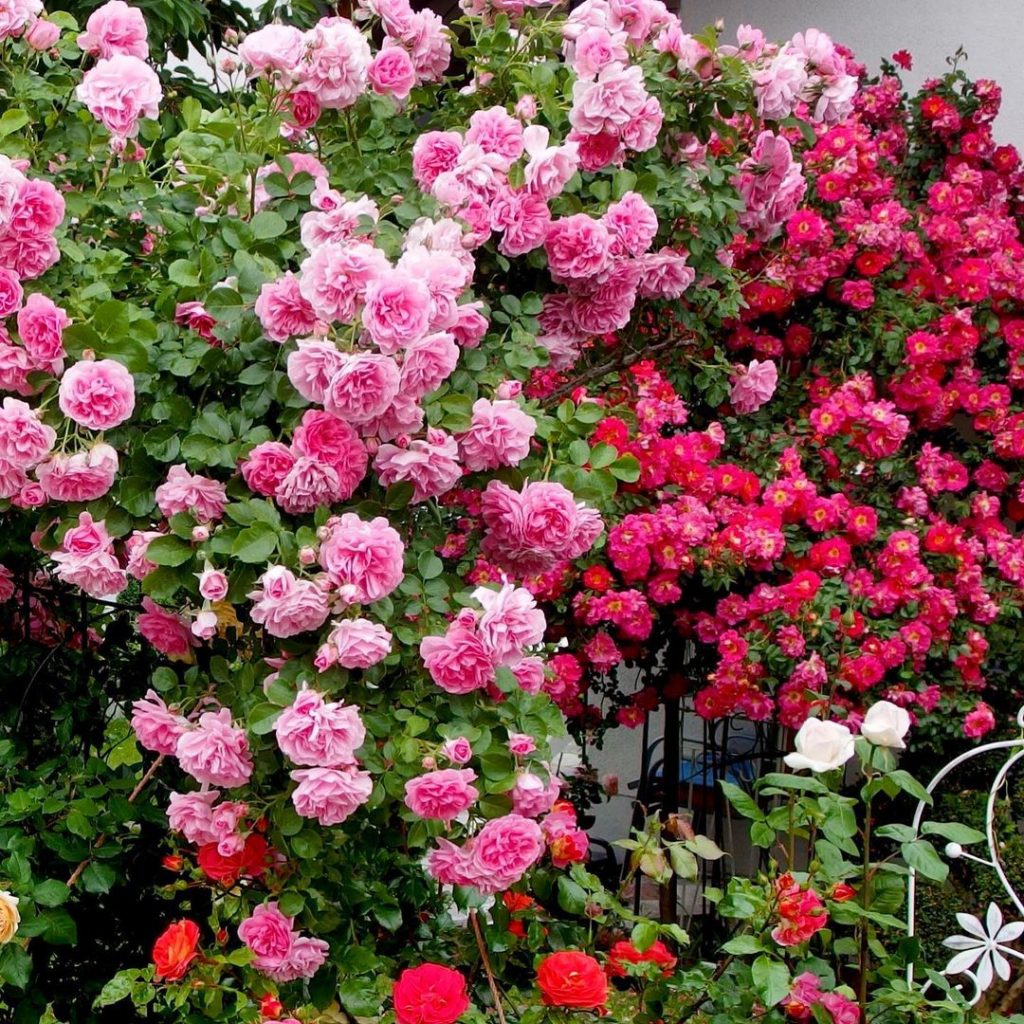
[982, 951]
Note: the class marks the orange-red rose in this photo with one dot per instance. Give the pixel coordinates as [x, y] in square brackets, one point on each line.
[623, 953]
[430, 994]
[572, 979]
[175, 949]
[250, 862]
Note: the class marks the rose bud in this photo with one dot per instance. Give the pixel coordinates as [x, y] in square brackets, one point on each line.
[270, 1007]
[841, 892]
[200, 534]
[172, 862]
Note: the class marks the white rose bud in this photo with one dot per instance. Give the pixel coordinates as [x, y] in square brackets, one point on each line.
[886, 724]
[821, 746]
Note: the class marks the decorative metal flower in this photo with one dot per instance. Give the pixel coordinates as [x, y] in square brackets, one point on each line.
[984, 945]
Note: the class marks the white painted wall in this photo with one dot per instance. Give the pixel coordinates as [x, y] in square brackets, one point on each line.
[989, 30]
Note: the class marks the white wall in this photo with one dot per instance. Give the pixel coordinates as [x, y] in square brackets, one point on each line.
[989, 30]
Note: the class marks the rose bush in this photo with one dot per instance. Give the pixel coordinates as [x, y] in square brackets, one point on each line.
[300, 373]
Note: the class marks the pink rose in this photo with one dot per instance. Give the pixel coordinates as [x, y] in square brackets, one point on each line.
[11, 293]
[285, 605]
[511, 621]
[282, 309]
[469, 328]
[664, 274]
[433, 154]
[523, 218]
[632, 224]
[499, 435]
[24, 439]
[578, 247]
[215, 752]
[184, 492]
[335, 277]
[336, 62]
[311, 367]
[115, 28]
[137, 565]
[86, 559]
[458, 750]
[608, 103]
[458, 661]
[308, 485]
[156, 728]
[307, 956]
[550, 167]
[363, 388]
[496, 132]
[397, 310]
[330, 795]
[505, 848]
[391, 73]
[358, 643]
[99, 395]
[41, 326]
[753, 386]
[442, 795]
[365, 555]
[532, 529]
[305, 108]
[191, 814]
[979, 720]
[268, 933]
[529, 673]
[331, 440]
[38, 209]
[532, 796]
[273, 48]
[428, 363]
[118, 91]
[520, 744]
[266, 466]
[431, 465]
[167, 632]
[318, 733]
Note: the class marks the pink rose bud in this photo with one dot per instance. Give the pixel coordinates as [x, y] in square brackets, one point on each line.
[42, 34]
[509, 389]
[348, 593]
[610, 784]
[205, 625]
[230, 36]
[148, 244]
[228, 65]
[307, 556]
[200, 534]
[213, 584]
[520, 744]
[429, 763]
[457, 750]
[323, 533]
[372, 446]
[526, 108]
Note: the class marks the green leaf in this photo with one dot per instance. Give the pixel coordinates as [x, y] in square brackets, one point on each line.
[168, 551]
[262, 718]
[579, 452]
[743, 802]
[15, 965]
[429, 565]
[804, 783]
[359, 997]
[910, 785]
[98, 877]
[644, 935]
[742, 945]
[626, 468]
[953, 832]
[13, 120]
[923, 858]
[255, 544]
[771, 980]
[704, 847]
[51, 893]
[119, 987]
[267, 224]
[684, 863]
[572, 898]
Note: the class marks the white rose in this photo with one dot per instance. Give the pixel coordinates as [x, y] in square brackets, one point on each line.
[886, 724]
[821, 746]
[9, 916]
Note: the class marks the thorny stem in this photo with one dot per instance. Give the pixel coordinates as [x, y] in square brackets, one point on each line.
[495, 994]
[865, 952]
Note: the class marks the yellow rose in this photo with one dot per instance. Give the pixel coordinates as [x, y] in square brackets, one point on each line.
[9, 916]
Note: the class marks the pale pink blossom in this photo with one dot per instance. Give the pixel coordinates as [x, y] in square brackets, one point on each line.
[753, 386]
[442, 795]
[285, 605]
[330, 795]
[97, 394]
[316, 733]
[215, 752]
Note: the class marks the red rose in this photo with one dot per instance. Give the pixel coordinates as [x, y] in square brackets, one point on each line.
[429, 994]
[572, 979]
[623, 953]
[249, 862]
[175, 949]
